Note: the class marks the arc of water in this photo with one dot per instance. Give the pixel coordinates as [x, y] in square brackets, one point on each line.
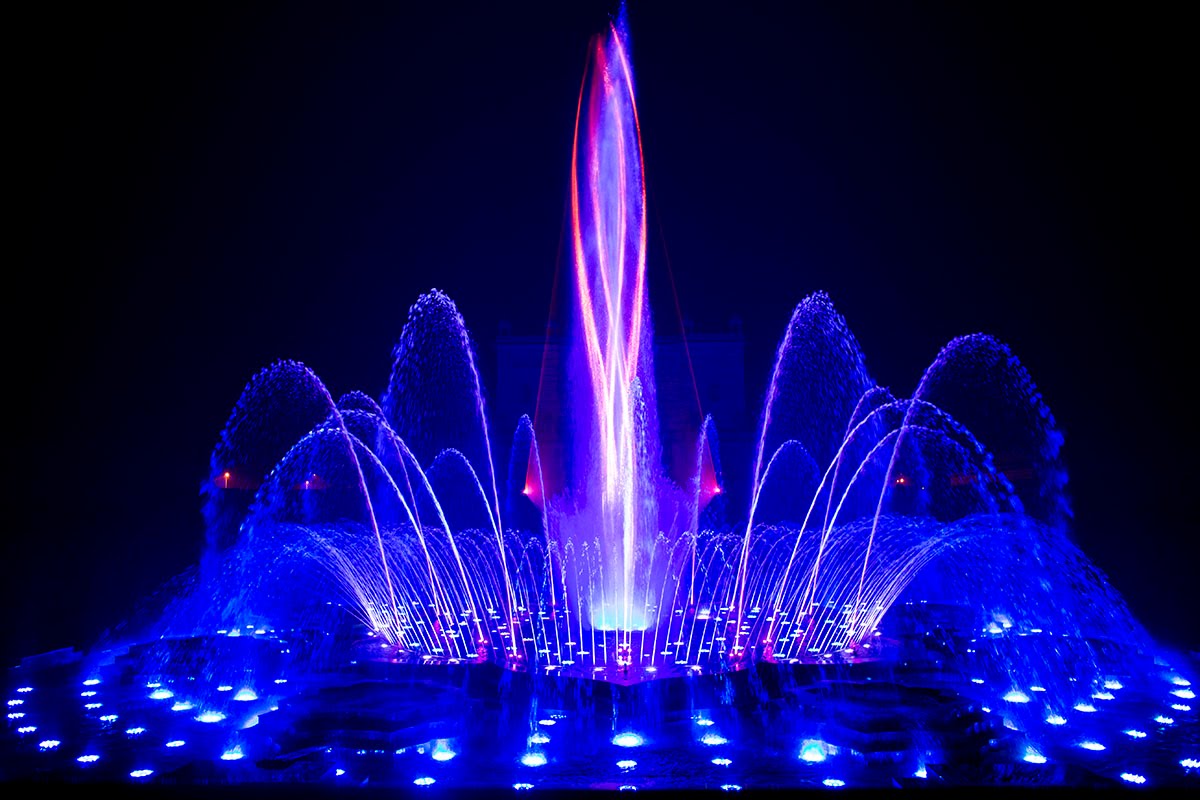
[831, 519]
[772, 396]
[406, 455]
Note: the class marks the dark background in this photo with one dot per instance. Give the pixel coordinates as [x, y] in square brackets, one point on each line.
[202, 189]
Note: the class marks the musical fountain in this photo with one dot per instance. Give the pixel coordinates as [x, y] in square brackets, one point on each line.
[900, 604]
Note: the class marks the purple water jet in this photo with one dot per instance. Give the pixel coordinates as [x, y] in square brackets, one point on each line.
[598, 564]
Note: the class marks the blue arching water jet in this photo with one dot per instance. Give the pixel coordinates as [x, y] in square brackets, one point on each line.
[610, 570]
[388, 582]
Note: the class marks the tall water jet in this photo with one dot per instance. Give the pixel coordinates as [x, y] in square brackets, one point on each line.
[614, 463]
[900, 603]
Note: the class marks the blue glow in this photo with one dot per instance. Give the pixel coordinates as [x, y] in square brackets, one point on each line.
[1133, 778]
[812, 751]
[27, 729]
[141, 773]
[17, 715]
[48, 744]
[109, 718]
[134, 731]
[1162, 719]
[16, 702]
[90, 758]
[24, 689]
[431, 600]
[730, 787]
[522, 787]
[92, 706]
[1178, 681]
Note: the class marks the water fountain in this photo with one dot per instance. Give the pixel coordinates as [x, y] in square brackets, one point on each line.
[901, 603]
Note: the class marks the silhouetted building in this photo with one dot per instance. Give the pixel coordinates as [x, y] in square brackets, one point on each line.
[695, 375]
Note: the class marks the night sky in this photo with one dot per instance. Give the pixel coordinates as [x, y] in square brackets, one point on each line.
[202, 189]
